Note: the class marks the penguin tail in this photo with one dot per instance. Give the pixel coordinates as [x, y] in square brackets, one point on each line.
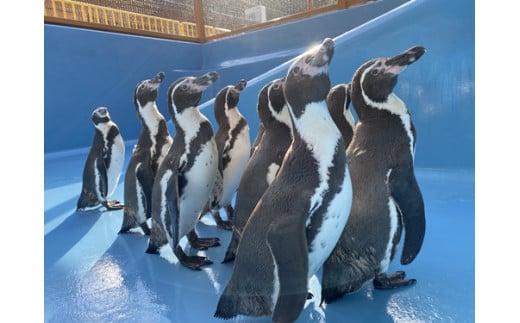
[157, 239]
[232, 304]
[343, 274]
[86, 201]
[232, 249]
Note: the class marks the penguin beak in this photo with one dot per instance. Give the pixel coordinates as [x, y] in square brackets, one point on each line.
[206, 79]
[241, 85]
[324, 53]
[397, 64]
[158, 78]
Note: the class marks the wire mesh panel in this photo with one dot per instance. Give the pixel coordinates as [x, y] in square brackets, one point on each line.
[236, 14]
[167, 17]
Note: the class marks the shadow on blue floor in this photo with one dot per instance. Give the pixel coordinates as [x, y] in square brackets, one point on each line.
[94, 274]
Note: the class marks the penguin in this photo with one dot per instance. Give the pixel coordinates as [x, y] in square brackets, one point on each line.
[234, 147]
[104, 164]
[266, 159]
[151, 148]
[338, 101]
[186, 177]
[387, 198]
[301, 215]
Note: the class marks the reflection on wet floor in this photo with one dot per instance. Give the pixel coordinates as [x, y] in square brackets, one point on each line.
[94, 274]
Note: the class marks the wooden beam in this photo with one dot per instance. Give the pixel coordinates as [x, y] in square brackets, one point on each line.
[344, 4]
[199, 20]
[117, 29]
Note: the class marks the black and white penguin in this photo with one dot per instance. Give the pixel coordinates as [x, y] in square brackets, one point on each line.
[386, 195]
[338, 102]
[152, 146]
[234, 148]
[186, 177]
[301, 215]
[266, 159]
[104, 164]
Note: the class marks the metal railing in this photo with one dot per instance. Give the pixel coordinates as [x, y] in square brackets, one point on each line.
[82, 14]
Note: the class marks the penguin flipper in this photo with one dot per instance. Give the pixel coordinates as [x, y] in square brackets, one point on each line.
[292, 262]
[261, 131]
[145, 178]
[406, 193]
[103, 179]
[172, 209]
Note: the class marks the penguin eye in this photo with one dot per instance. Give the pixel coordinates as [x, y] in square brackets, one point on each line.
[296, 70]
[374, 72]
[184, 87]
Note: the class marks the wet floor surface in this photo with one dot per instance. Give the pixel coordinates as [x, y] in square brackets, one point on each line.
[92, 274]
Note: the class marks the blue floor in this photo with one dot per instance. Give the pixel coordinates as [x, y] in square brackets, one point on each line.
[92, 274]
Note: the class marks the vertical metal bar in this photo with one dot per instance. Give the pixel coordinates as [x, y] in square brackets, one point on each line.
[199, 20]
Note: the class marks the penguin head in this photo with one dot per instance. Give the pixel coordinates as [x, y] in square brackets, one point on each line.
[272, 106]
[186, 92]
[307, 80]
[146, 91]
[100, 116]
[227, 99]
[376, 79]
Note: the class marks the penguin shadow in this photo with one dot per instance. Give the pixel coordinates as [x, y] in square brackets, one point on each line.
[157, 287]
[63, 238]
[60, 209]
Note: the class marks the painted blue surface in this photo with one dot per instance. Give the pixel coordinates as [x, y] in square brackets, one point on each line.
[92, 274]
[85, 69]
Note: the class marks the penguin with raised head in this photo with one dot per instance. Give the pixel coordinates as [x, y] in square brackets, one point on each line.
[186, 177]
[338, 102]
[266, 159]
[386, 195]
[151, 148]
[301, 215]
[104, 164]
[234, 148]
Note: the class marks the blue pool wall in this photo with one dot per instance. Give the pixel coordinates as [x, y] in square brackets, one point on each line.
[85, 69]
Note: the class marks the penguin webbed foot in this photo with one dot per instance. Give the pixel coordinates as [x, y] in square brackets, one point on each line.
[226, 225]
[392, 280]
[113, 205]
[202, 243]
[191, 262]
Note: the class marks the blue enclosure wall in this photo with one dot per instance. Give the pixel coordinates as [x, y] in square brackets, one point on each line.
[85, 69]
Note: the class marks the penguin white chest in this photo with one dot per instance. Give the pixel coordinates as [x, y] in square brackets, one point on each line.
[239, 156]
[199, 184]
[334, 221]
[116, 164]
